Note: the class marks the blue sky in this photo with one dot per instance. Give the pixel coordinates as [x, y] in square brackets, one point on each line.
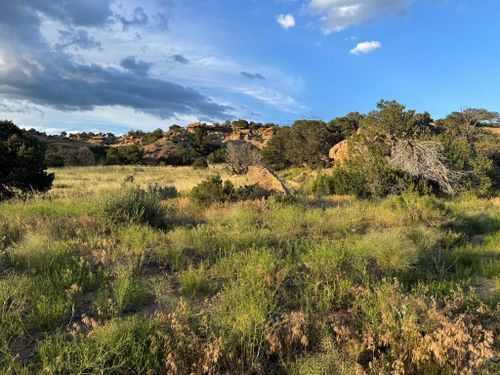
[106, 65]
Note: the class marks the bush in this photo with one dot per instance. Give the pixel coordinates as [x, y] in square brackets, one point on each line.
[323, 185]
[305, 143]
[22, 162]
[397, 150]
[217, 157]
[74, 156]
[132, 206]
[132, 154]
[251, 192]
[200, 164]
[54, 160]
[180, 158]
[164, 192]
[212, 190]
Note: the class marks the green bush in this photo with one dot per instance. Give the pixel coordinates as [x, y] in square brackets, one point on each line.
[54, 160]
[306, 142]
[211, 191]
[22, 162]
[164, 192]
[180, 158]
[214, 190]
[251, 192]
[323, 185]
[200, 164]
[132, 206]
[217, 157]
[132, 154]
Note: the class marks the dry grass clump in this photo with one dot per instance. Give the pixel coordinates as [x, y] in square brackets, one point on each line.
[182, 349]
[390, 331]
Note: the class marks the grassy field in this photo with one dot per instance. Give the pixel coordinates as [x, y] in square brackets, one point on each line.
[84, 182]
[333, 285]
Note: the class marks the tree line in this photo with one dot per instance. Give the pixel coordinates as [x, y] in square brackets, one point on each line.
[391, 149]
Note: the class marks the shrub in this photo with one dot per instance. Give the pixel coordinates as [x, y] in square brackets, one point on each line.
[164, 192]
[54, 160]
[180, 158]
[323, 185]
[77, 156]
[275, 154]
[217, 157]
[251, 192]
[212, 190]
[132, 206]
[22, 162]
[305, 143]
[132, 154]
[200, 164]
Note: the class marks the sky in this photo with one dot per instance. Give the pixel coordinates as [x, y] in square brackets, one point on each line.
[117, 65]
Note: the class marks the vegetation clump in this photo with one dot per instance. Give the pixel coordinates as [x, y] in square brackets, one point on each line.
[22, 163]
[200, 164]
[132, 205]
[214, 190]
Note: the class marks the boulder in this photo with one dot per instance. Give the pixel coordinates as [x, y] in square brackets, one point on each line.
[262, 176]
[340, 152]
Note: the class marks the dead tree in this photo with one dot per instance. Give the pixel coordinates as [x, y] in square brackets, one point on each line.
[241, 155]
[425, 159]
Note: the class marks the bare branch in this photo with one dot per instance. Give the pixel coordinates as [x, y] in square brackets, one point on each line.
[241, 155]
[425, 159]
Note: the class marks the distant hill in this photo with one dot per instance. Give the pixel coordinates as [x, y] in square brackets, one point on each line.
[178, 145]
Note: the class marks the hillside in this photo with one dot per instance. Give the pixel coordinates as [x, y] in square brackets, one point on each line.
[157, 146]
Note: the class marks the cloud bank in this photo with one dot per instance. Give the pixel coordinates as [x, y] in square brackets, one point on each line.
[34, 70]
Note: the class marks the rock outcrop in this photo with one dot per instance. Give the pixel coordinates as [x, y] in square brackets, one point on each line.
[262, 176]
[339, 152]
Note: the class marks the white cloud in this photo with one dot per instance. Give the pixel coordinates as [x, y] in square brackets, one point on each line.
[337, 15]
[365, 47]
[286, 21]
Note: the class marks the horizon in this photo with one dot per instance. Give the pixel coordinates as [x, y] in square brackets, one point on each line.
[115, 66]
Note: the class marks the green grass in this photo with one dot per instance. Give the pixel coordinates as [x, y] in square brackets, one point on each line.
[94, 283]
